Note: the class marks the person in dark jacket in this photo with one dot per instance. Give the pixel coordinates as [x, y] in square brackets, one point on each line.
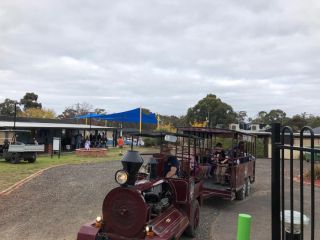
[171, 166]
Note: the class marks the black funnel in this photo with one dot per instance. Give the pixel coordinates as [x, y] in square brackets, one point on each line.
[132, 162]
[153, 168]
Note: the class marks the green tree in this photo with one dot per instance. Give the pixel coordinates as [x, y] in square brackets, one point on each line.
[313, 121]
[7, 107]
[241, 116]
[38, 113]
[211, 109]
[297, 122]
[30, 100]
[261, 117]
[100, 111]
[276, 115]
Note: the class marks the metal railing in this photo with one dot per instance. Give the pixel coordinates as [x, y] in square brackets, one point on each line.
[283, 140]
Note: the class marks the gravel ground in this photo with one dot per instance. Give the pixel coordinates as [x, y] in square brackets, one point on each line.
[258, 205]
[55, 204]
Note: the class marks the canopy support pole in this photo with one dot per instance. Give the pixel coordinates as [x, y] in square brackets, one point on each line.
[140, 125]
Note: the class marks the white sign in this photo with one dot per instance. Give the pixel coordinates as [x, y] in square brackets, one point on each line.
[170, 138]
[56, 144]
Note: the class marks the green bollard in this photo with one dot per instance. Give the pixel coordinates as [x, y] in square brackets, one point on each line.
[244, 226]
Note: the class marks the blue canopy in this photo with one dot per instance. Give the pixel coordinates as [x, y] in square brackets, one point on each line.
[89, 115]
[132, 116]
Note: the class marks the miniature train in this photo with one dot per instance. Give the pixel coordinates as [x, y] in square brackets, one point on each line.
[151, 206]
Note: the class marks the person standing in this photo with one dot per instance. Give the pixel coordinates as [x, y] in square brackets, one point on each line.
[120, 144]
[35, 141]
[87, 144]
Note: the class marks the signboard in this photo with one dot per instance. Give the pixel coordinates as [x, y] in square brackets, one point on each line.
[170, 138]
[56, 144]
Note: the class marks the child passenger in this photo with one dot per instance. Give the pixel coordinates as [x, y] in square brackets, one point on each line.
[206, 166]
[222, 162]
[194, 166]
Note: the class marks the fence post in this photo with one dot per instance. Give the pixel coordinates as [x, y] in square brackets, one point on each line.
[275, 183]
[244, 227]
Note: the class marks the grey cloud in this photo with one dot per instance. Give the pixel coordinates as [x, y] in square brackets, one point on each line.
[164, 55]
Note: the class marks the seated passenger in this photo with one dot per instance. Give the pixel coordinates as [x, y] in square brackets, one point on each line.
[171, 166]
[222, 162]
[194, 167]
[206, 165]
[219, 153]
[238, 152]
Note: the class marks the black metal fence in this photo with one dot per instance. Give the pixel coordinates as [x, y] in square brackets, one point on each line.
[287, 194]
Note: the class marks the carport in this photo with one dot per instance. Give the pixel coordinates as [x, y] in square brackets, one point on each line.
[44, 130]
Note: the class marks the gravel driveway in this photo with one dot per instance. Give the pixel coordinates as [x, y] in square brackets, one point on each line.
[55, 204]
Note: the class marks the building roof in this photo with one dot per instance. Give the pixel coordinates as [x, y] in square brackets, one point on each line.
[316, 130]
[28, 125]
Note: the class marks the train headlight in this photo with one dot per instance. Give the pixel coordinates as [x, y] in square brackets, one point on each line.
[149, 232]
[98, 222]
[121, 177]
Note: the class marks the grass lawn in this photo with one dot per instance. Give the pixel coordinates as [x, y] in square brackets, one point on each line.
[12, 173]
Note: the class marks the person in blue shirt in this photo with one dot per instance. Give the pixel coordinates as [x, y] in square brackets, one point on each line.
[171, 166]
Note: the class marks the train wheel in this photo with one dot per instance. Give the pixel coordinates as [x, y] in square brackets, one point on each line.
[191, 230]
[15, 158]
[248, 187]
[241, 194]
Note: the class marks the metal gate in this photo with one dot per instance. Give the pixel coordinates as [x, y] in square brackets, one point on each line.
[288, 190]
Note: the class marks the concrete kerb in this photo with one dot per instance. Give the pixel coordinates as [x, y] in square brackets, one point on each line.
[25, 180]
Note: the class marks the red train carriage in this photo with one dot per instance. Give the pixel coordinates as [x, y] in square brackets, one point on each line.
[239, 162]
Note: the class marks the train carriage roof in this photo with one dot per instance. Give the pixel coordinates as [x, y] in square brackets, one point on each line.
[161, 134]
[212, 131]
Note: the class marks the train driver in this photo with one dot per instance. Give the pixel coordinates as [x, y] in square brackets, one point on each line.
[171, 166]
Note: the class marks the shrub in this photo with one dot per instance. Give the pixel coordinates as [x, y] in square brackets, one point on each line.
[149, 142]
[316, 172]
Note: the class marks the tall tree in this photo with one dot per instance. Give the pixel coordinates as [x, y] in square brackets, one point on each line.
[241, 116]
[100, 111]
[7, 107]
[276, 115]
[298, 121]
[75, 110]
[261, 117]
[30, 100]
[313, 121]
[211, 109]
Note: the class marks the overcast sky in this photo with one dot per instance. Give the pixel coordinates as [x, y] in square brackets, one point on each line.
[163, 55]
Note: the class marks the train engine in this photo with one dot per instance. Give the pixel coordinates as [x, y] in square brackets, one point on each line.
[146, 206]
